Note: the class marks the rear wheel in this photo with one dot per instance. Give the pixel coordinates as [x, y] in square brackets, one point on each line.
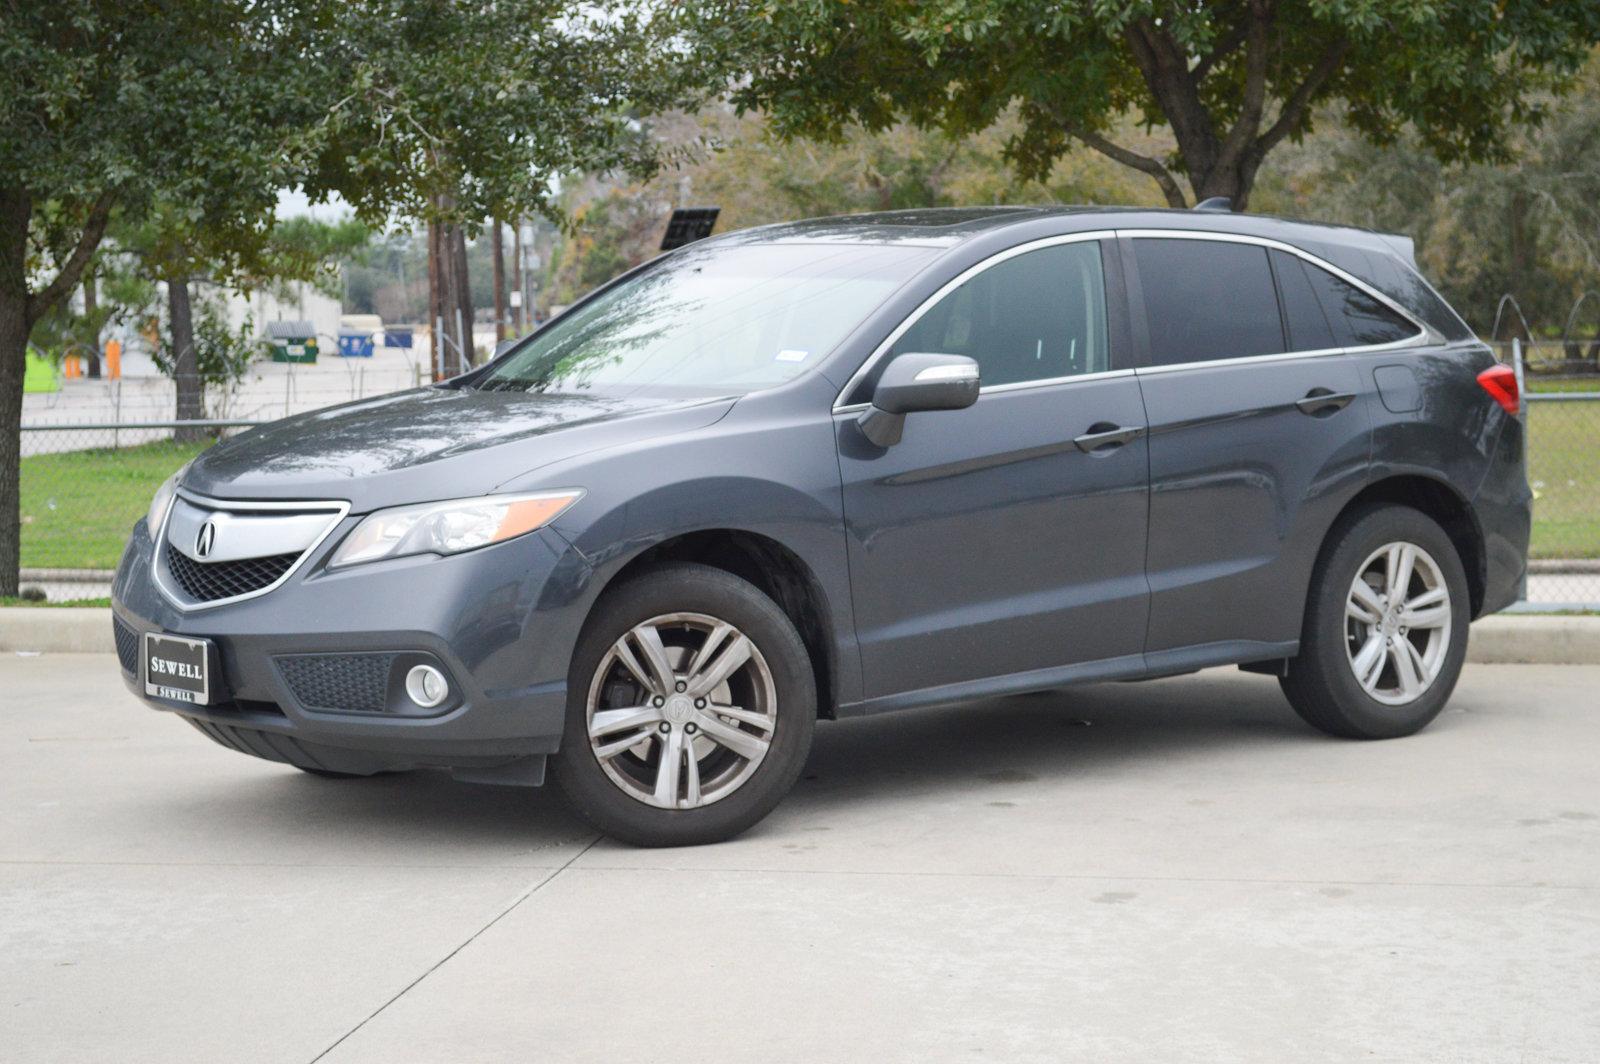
[1385, 631]
[690, 709]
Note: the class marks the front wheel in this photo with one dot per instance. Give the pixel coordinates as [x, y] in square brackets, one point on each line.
[1385, 631]
[690, 709]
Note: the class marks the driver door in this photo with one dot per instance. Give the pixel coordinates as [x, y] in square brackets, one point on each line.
[1008, 537]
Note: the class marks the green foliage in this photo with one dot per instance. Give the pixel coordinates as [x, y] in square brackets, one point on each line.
[1232, 79]
[178, 100]
[1529, 226]
[467, 110]
[222, 353]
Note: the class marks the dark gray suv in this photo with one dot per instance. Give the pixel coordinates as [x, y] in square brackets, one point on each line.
[841, 467]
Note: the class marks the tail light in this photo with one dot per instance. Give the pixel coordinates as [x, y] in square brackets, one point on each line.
[1501, 384]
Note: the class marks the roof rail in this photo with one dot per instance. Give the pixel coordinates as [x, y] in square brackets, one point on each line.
[1215, 203]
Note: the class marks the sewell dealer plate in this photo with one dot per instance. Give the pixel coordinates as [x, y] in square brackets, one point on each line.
[178, 669]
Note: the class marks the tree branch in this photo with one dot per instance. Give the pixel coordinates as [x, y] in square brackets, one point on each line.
[1253, 104]
[1142, 163]
[94, 227]
[1165, 67]
[1220, 51]
[1299, 102]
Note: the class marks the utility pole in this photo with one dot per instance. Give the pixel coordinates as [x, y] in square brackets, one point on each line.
[499, 284]
[517, 299]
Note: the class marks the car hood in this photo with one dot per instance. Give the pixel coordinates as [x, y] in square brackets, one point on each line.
[431, 443]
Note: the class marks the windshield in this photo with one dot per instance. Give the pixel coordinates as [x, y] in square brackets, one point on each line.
[721, 320]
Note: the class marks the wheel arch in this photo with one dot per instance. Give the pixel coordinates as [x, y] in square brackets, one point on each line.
[780, 573]
[1444, 504]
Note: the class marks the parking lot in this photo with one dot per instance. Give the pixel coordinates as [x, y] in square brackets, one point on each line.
[1176, 870]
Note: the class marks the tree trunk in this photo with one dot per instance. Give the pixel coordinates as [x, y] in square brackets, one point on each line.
[462, 305]
[185, 360]
[499, 284]
[90, 309]
[14, 212]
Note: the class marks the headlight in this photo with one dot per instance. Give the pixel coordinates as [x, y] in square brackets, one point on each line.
[450, 527]
[163, 502]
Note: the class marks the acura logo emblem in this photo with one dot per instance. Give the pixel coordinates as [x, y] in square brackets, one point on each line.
[205, 540]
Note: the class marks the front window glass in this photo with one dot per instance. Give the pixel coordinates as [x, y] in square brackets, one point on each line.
[720, 320]
[1036, 316]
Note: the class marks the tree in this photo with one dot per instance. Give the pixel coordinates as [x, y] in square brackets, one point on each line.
[1232, 80]
[1529, 227]
[206, 108]
[453, 112]
[246, 251]
[107, 106]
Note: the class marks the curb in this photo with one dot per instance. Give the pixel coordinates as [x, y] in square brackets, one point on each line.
[1523, 639]
[1530, 639]
[56, 629]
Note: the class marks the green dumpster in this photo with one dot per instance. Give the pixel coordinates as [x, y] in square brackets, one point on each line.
[292, 341]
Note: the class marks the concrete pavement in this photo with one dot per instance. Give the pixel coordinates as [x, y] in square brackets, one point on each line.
[1176, 870]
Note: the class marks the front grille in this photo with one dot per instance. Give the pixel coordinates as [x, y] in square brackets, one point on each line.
[127, 646]
[349, 682]
[210, 581]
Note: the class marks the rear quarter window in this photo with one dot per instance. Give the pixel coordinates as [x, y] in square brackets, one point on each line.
[1356, 318]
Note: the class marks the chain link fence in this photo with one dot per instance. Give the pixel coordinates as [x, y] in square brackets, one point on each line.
[89, 469]
[1561, 404]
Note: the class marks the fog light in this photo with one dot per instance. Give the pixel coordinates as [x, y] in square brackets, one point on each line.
[427, 686]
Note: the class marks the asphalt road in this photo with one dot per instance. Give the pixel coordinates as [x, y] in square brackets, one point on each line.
[1170, 871]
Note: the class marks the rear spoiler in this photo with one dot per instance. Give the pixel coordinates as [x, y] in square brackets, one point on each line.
[1403, 246]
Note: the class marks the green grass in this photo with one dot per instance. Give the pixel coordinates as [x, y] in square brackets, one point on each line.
[6, 600]
[1564, 469]
[1562, 384]
[78, 507]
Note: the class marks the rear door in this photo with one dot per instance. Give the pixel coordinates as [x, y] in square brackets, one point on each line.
[1258, 436]
[987, 542]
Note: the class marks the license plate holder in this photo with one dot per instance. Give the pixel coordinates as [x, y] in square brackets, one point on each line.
[179, 669]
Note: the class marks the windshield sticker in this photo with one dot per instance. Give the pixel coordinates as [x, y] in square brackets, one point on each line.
[792, 356]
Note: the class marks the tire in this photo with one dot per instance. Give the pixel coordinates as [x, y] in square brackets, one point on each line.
[671, 765]
[329, 775]
[1390, 698]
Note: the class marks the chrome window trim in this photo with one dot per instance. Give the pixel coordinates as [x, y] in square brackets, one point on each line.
[840, 407]
[1421, 336]
[336, 509]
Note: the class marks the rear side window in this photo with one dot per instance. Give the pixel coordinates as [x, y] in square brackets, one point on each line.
[1352, 317]
[1303, 316]
[1207, 300]
[1036, 316]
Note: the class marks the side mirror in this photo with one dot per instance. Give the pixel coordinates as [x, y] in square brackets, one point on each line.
[913, 383]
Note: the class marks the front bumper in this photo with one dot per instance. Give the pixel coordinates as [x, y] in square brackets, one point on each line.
[501, 622]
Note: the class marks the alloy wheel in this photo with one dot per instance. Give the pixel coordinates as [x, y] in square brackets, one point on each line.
[1397, 623]
[681, 710]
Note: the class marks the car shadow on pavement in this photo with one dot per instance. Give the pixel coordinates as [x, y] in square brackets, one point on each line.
[1071, 733]
[1076, 733]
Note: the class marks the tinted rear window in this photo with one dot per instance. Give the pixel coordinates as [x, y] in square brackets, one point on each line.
[1207, 299]
[1356, 318]
[1303, 315]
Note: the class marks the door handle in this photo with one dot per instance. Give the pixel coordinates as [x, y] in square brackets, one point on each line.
[1322, 402]
[1104, 437]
